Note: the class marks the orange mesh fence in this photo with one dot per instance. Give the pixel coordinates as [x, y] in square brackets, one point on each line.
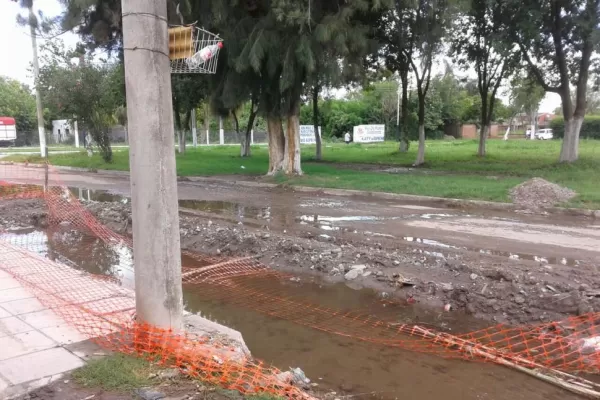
[102, 305]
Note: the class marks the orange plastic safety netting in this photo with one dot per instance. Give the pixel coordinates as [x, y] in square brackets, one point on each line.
[101, 305]
[103, 308]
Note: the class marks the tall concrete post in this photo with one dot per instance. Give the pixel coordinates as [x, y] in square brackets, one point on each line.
[76, 133]
[194, 130]
[156, 243]
[221, 131]
[36, 78]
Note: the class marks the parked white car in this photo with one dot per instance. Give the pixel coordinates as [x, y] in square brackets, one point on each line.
[544, 134]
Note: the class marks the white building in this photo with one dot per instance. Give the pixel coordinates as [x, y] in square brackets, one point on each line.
[62, 129]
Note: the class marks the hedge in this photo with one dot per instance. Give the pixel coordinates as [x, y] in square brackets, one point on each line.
[589, 130]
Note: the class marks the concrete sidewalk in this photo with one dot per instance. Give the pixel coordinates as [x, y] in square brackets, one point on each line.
[36, 346]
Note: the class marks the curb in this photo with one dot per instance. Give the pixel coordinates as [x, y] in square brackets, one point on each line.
[440, 201]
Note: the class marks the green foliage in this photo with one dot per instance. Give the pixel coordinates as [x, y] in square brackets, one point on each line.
[478, 41]
[17, 101]
[89, 92]
[590, 129]
[526, 94]
[449, 102]
[97, 22]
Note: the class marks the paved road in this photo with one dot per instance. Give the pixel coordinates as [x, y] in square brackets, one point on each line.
[556, 239]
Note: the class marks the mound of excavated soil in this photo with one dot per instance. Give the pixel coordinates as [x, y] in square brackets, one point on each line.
[539, 193]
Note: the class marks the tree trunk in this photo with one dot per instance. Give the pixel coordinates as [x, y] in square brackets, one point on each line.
[315, 101]
[532, 126]
[483, 123]
[178, 126]
[421, 152]
[241, 138]
[291, 159]
[276, 144]
[248, 134]
[569, 151]
[483, 134]
[404, 143]
[207, 123]
[181, 141]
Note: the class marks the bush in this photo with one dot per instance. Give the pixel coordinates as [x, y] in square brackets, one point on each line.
[589, 130]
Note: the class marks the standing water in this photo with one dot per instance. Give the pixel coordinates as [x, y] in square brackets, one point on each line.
[338, 364]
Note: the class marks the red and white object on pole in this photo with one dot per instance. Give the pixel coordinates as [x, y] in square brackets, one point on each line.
[8, 131]
[193, 50]
[204, 55]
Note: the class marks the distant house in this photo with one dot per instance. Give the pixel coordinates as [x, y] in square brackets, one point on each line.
[62, 129]
[544, 120]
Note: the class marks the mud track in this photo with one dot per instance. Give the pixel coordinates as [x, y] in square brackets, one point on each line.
[499, 266]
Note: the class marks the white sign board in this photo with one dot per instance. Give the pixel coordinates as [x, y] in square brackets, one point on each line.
[368, 133]
[307, 134]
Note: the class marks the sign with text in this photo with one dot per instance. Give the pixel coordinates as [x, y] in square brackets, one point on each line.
[307, 134]
[368, 133]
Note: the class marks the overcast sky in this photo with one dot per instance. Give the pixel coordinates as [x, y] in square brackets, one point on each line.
[15, 42]
[15, 46]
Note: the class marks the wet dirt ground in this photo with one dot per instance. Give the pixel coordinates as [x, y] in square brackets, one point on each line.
[340, 366]
[489, 266]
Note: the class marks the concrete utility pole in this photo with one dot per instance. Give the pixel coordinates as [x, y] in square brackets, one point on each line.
[194, 130]
[156, 243]
[76, 134]
[221, 131]
[36, 79]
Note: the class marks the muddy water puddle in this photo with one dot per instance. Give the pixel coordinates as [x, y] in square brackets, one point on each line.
[337, 363]
[374, 226]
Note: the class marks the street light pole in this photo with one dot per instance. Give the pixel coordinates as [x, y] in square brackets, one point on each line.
[36, 79]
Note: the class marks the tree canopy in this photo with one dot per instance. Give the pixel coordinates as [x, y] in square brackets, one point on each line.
[17, 101]
[89, 92]
[558, 39]
[279, 54]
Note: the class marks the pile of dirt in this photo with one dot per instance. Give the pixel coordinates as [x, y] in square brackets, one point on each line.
[539, 193]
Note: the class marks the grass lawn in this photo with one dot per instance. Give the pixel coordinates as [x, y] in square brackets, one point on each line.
[452, 170]
[34, 149]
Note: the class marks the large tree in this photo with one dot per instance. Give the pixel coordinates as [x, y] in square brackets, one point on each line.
[479, 42]
[188, 93]
[558, 39]
[283, 42]
[393, 31]
[526, 94]
[235, 93]
[428, 25]
[88, 92]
